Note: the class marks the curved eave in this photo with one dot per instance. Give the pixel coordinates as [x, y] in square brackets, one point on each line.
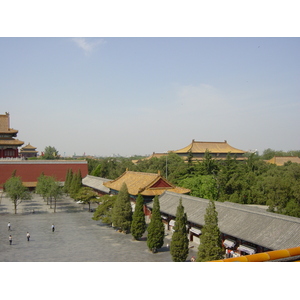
[29, 147]
[11, 143]
[9, 131]
[185, 149]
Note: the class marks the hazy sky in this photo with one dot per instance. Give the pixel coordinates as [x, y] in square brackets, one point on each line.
[105, 96]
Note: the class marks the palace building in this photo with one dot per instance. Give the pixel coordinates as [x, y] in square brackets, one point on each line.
[28, 151]
[14, 161]
[281, 160]
[218, 150]
[8, 143]
[147, 184]
[197, 149]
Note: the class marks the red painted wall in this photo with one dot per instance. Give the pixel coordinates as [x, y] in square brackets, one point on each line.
[29, 172]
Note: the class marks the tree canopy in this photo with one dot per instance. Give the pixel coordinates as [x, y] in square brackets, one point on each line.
[50, 152]
[86, 195]
[104, 210]
[49, 189]
[16, 191]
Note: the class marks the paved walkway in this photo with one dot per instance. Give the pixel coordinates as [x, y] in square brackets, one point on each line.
[77, 238]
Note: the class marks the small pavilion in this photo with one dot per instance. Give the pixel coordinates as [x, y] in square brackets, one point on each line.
[28, 151]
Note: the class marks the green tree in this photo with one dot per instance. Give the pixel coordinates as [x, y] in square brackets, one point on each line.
[87, 195]
[50, 153]
[75, 184]
[138, 225]
[179, 248]
[16, 191]
[268, 154]
[68, 181]
[55, 192]
[41, 186]
[122, 210]
[210, 247]
[49, 189]
[156, 229]
[203, 186]
[104, 210]
[207, 166]
[92, 164]
[96, 171]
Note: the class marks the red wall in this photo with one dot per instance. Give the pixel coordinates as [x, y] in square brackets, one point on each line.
[29, 172]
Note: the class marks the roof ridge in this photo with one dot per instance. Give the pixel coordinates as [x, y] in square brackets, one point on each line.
[146, 173]
[232, 205]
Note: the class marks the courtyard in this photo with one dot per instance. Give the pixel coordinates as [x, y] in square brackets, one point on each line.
[77, 238]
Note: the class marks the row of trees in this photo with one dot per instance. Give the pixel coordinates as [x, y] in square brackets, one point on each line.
[117, 211]
[50, 189]
[210, 247]
[73, 187]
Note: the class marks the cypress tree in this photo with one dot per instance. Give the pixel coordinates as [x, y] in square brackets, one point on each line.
[75, 184]
[68, 181]
[122, 210]
[210, 247]
[179, 248]
[138, 225]
[156, 228]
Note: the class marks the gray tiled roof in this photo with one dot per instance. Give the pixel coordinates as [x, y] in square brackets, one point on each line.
[252, 224]
[96, 183]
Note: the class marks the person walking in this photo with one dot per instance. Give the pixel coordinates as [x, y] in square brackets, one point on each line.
[52, 227]
[28, 236]
[10, 239]
[8, 226]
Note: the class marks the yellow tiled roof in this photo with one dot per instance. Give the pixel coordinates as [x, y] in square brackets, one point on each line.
[281, 160]
[28, 146]
[11, 142]
[213, 147]
[140, 183]
[9, 131]
[4, 125]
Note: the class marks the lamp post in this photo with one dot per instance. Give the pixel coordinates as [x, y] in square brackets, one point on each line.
[167, 166]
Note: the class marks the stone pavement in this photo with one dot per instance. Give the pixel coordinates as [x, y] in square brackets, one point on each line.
[77, 238]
